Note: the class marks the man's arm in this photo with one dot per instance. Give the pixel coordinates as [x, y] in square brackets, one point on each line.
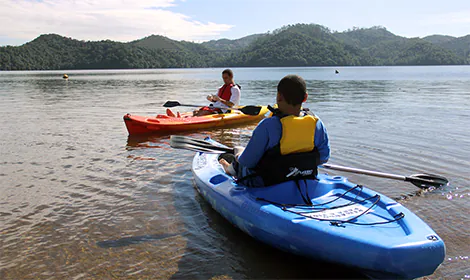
[235, 98]
[251, 155]
[322, 143]
[256, 147]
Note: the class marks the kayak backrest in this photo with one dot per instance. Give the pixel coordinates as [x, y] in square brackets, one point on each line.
[288, 192]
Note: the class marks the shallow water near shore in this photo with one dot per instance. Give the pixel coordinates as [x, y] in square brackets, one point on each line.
[79, 198]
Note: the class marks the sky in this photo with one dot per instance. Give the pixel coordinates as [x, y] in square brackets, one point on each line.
[201, 20]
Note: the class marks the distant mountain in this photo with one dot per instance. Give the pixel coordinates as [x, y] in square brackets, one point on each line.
[201, 53]
[420, 52]
[158, 42]
[316, 45]
[389, 49]
[299, 45]
[366, 37]
[461, 46]
[292, 45]
[52, 51]
[230, 45]
[438, 39]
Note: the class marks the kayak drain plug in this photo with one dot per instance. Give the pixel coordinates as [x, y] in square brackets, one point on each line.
[433, 238]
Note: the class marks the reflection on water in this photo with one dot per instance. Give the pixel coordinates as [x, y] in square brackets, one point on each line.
[81, 199]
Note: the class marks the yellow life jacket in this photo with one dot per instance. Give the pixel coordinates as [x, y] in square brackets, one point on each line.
[295, 157]
[298, 134]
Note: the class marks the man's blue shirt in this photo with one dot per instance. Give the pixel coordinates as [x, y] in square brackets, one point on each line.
[268, 134]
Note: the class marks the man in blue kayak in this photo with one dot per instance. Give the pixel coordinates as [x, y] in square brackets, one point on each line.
[288, 146]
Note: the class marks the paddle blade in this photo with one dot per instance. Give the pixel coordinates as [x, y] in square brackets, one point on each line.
[194, 148]
[425, 181]
[187, 139]
[170, 104]
[251, 110]
[197, 145]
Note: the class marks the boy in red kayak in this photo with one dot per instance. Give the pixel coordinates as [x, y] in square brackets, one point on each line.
[286, 147]
[227, 96]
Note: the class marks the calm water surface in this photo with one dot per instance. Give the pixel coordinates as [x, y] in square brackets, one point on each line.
[81, 199]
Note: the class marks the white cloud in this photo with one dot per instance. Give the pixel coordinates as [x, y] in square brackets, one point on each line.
[121, 20]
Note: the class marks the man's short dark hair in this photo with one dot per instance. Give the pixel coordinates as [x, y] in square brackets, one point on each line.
[228, 72]
[293, 89]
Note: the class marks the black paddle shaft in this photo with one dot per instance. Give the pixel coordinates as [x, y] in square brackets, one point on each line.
[247, 110]
[422, 181]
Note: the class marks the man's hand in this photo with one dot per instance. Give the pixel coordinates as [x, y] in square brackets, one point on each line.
[215, 98]
[228, 167]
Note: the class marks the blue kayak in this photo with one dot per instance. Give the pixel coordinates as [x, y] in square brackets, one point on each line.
[329, 219]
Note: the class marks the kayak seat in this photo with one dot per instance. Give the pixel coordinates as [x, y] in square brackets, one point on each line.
[316, 192]
[290, 192]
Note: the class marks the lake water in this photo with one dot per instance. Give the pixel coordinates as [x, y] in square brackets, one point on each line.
[81, 199]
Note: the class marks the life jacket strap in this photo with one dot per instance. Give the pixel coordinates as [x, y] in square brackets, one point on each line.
[277, 113]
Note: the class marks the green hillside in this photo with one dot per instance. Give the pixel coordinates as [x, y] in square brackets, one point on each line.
[461, 46]
[364, 38]
[438, 39]
[231, 45]
[56, 52]
[299, 45]
[292, 45]
[158, 42]
[389, 49]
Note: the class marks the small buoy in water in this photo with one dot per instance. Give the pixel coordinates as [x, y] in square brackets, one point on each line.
[336, 72]
[65, 76]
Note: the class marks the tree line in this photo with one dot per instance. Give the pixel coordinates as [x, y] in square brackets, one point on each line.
[292, 45]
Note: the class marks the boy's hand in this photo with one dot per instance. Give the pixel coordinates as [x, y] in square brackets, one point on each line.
[228, 168]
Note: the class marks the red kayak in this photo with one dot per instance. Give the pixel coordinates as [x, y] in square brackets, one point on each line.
[164, 124]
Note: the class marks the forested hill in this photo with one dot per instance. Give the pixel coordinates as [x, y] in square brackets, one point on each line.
[231, 45]
[460, 46]
[293, 45]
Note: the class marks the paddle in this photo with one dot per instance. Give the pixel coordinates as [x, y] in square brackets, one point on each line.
[247, 110]
[420, 180]
[197, 145]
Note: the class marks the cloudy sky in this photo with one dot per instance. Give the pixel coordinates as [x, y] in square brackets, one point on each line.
[198, 20]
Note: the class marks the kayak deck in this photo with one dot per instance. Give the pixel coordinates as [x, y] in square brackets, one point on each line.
[346, 223]
[163, 124]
